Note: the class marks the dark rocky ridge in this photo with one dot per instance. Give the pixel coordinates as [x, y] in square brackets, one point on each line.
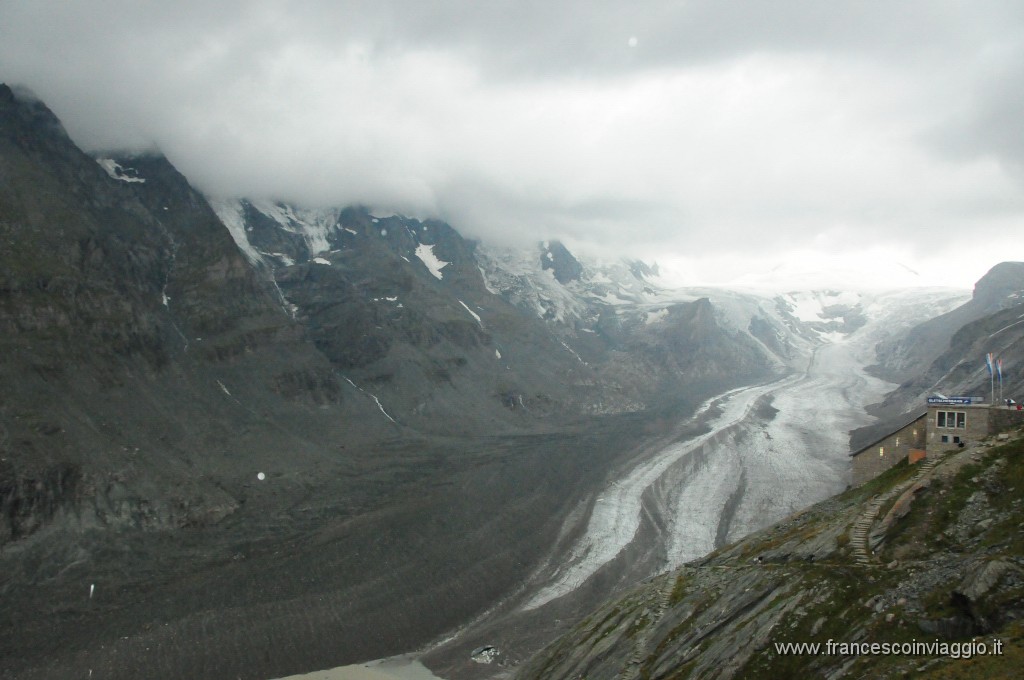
[97, 366]
[556, 257]
[150, 371]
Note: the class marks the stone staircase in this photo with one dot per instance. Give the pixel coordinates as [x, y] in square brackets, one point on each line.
[862, 554]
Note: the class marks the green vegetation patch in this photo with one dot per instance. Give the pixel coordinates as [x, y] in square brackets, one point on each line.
[1006, 665]
[679, 589]
[920, 531]
[835, 611]
[898, 473]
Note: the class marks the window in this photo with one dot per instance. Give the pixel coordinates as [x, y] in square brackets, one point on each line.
[881, 451]
[951, 419]
[897, 442]
[956, 440]
[945, 439]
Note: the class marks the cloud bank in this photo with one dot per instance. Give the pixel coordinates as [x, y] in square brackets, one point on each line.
[720, 136]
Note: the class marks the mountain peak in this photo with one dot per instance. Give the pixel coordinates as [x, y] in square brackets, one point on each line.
[555, 256]
[23, 102]
[1004, 280]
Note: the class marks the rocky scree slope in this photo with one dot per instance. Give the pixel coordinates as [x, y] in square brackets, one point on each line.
[946, 564]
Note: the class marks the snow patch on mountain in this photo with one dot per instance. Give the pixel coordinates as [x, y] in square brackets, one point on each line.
[472, 313]
[517, 276]
[119, 173]
[285, 259]
[613, 299]
[314, 225]
[655, 317]
[811, 306]
[231, 214]
[434, 264]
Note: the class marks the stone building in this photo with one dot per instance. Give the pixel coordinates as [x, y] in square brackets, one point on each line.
[946, 425]
[949, 426]
[879, 456]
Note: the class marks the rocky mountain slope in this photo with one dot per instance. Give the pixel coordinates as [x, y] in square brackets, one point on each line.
[931, 554]
[185, 467]
[943, 353]
[616, 337]
[141, 352]
[204, 447]
[946, 354]
[248, 427]
[433, 322]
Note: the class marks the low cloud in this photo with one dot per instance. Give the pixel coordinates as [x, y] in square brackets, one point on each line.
[729, 132]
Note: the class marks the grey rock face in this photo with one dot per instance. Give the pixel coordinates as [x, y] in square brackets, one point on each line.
[982, 580]
[560, 261]
[124, 305]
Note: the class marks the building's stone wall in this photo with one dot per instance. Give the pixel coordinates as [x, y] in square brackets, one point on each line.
[924, 437]
[875, 459]
[1002, 418]
[977, 427]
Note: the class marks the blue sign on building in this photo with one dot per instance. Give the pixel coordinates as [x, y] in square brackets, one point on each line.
[953, 401]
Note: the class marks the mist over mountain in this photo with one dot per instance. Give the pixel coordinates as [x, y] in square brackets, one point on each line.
[717, 138]
[227, 422]
[322, 382]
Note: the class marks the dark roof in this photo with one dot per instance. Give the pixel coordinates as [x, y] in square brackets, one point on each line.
[913, 420]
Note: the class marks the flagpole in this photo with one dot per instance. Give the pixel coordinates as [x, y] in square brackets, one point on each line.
[999, 369]
[991, 378]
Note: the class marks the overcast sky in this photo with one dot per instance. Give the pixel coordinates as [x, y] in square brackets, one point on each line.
[720, 138]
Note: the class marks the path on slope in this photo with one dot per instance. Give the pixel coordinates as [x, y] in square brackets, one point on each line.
[862, 528]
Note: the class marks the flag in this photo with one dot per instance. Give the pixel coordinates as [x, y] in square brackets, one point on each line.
[988, 362]
[999, 369]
